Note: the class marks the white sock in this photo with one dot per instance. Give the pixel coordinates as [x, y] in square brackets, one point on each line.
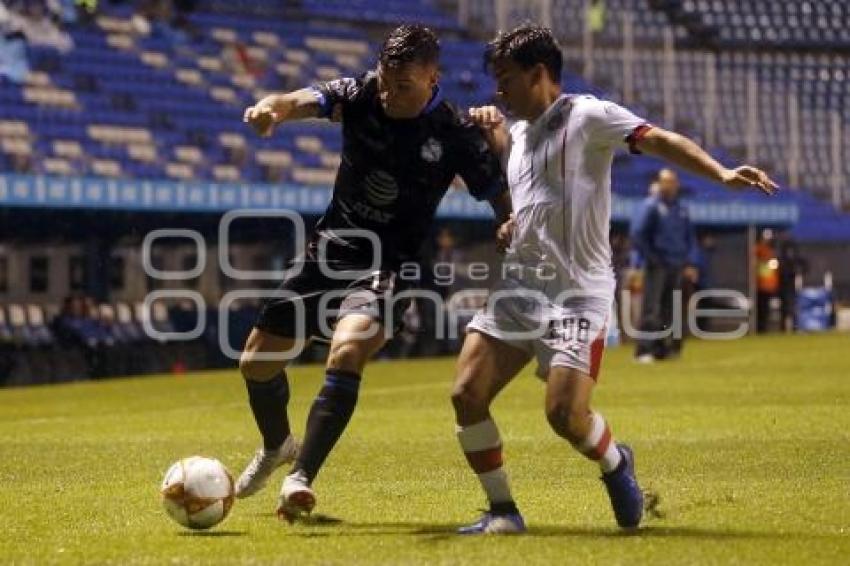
[482, 445]
[599, 445]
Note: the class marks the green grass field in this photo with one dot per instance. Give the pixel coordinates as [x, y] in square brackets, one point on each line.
[746, 444]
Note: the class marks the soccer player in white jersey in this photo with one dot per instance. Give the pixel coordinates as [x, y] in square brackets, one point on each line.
[553, 300]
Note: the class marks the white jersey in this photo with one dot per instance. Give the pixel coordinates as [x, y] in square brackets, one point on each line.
[559, 173]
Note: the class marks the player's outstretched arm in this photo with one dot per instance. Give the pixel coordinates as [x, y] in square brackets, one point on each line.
[274, 109]
[681, 151]
[491, 120]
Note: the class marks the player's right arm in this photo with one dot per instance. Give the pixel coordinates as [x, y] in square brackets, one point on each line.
[275, 109]
[323, 100]
[612, 125]
[679, 150]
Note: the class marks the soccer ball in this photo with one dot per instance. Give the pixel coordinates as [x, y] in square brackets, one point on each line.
[197, 492]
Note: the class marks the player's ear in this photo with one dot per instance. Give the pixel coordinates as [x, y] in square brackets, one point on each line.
[434, 78]
[539, 73]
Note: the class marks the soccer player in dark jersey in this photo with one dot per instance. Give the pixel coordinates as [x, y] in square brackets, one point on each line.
[402, 147]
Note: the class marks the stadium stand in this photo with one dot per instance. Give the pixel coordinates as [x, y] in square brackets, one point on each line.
[821, 25]
[128, 97]
[144, 101]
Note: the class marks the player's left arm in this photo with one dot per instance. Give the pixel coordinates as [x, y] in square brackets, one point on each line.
[503, 210]
[502, 207]
[480, 168]
[492, 122]
[685, 153]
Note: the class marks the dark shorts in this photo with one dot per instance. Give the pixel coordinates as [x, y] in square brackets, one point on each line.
[311, 297]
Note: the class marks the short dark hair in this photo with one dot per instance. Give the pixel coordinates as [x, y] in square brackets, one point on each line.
[527, 45]
[409, 43]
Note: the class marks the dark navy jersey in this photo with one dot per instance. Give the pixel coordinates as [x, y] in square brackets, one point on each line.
[394, 173]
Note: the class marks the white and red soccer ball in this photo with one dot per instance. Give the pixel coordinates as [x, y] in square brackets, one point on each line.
[197, 492]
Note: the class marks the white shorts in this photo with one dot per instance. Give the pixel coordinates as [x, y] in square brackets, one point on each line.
[570, 334]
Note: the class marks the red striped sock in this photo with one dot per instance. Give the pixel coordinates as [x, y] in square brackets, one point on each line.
[482, 446]
[599, 445]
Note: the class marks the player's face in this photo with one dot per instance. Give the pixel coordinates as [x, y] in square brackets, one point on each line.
[515, 88]
[406, 90]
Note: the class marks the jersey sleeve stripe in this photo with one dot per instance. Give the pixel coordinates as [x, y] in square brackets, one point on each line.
[322, 99]
[637, 134]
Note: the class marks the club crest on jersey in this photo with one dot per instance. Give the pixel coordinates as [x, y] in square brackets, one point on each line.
[432, 150]
[381, 188]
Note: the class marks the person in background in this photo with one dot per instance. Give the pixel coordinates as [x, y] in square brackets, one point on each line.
[767, 279]
[664, 237]
[595, 15]
[633, 275]
[703, 258]
[791, 264]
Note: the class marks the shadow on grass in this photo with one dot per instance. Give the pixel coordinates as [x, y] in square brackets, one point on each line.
[439, 532]
[213, 534]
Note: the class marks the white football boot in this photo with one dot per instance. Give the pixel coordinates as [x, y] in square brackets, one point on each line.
[296, 499]
[258, 471]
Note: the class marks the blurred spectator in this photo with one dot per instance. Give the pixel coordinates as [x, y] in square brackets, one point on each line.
[86, 9]
[703, 281]
[13, 55]
[7, 348]
[767, 279]
[704, 253]
[35, 22]
[442, 277]
[663, 235]
[166, 18]
[447, 261]
[596, 15]
[65, 11]
[157, 11]
[791, 265]
[76, 326]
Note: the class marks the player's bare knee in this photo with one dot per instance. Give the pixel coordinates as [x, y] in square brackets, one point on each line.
[246, 365]
[346, 356]
[468, 400]
[255, 370]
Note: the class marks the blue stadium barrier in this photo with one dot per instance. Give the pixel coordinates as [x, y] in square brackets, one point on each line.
[171, 196]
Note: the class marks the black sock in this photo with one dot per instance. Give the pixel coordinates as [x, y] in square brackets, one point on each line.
[268, 401]
[328, 417]
[503, 508]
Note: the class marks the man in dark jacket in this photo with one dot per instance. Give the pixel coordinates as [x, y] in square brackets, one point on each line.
[663, 235]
